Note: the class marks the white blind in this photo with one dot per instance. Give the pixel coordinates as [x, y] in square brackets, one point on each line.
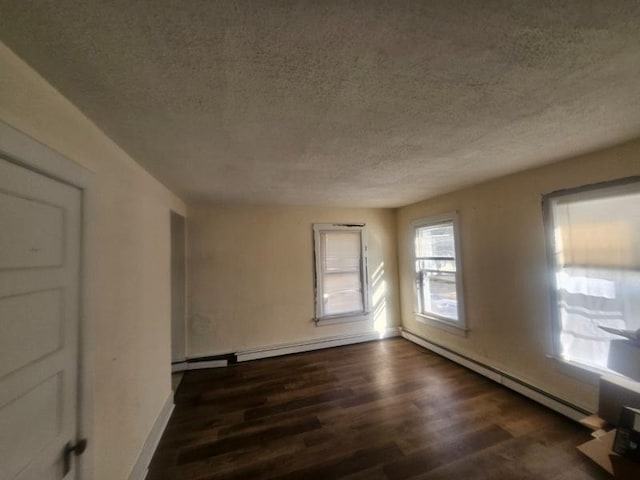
[597, 258]
[341, 272]
[435, 241]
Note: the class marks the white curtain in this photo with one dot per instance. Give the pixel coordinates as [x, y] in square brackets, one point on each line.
[597, 270]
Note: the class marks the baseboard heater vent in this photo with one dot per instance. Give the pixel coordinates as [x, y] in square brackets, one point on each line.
[536, 394]
[282, 349]
[212, 361]
[315, 344]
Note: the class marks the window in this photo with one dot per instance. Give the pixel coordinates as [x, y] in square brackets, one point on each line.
[438, 283]
[593, 236]
[341, 273]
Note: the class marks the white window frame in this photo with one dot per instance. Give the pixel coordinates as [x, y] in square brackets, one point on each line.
[320, 317]
[459, 326]
[549, 200]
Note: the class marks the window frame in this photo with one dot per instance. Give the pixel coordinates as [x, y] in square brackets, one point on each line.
[564, 196]
[320, 318]
[459, 326]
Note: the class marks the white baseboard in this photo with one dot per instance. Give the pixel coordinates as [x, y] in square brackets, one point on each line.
[285, 349]
[198, 365]
[141, 467]
[179, 366]
[534, 393]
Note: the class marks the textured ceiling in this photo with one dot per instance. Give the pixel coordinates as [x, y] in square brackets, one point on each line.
[347, 103]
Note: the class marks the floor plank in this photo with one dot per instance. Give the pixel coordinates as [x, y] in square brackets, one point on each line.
[381, 410]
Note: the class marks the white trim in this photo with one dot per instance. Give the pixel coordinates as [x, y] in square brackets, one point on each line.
[433, 319]
[141, 466]
[563, 198]
[355, 316]
[497, 376]
[328, 342]
[179, 367]
[33, 155]
[596, 191]
[343, 318]
[195, 364]
[199, 365]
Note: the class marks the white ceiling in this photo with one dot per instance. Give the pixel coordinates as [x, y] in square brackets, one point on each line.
[358, 103]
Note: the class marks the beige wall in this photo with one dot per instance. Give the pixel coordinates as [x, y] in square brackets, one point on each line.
[504, 269]
[251, 275]
[130, 287]
[252, 268]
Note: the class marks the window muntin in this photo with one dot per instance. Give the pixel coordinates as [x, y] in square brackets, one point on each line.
[594, 236]
[341, 287]
[437, 281]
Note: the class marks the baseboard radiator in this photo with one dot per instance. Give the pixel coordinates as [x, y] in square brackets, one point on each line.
[223, 360]
[530, 391]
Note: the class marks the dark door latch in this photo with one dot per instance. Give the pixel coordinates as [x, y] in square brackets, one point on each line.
[76, 449]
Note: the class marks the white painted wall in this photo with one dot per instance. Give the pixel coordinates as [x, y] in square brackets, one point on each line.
[504, 268]
[130, 298]
[250, 275]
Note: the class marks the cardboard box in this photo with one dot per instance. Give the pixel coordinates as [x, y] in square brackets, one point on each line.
[615, 393]
[624, 358]
[599, 451]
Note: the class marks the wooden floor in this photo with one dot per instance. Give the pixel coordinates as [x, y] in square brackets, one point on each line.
[380, 410]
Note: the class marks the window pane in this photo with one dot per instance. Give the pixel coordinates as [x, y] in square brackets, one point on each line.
[340, 276]
[435, 241]
[448, 265]
[341, 251]
[597, 263]
[599, 232]
[343, 302]
[341, 282]
[437, 292]
[342, 293]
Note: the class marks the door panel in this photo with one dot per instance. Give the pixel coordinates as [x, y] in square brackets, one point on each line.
[33, 233]
[31, 326]
[28, 424]
[39, 321]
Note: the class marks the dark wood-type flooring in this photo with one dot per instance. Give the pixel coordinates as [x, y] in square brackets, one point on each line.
[379, 410]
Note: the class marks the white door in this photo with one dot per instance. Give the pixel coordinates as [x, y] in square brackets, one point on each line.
[39, 312]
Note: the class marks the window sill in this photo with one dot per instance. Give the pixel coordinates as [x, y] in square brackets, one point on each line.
[346, 318]
[447, 326]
